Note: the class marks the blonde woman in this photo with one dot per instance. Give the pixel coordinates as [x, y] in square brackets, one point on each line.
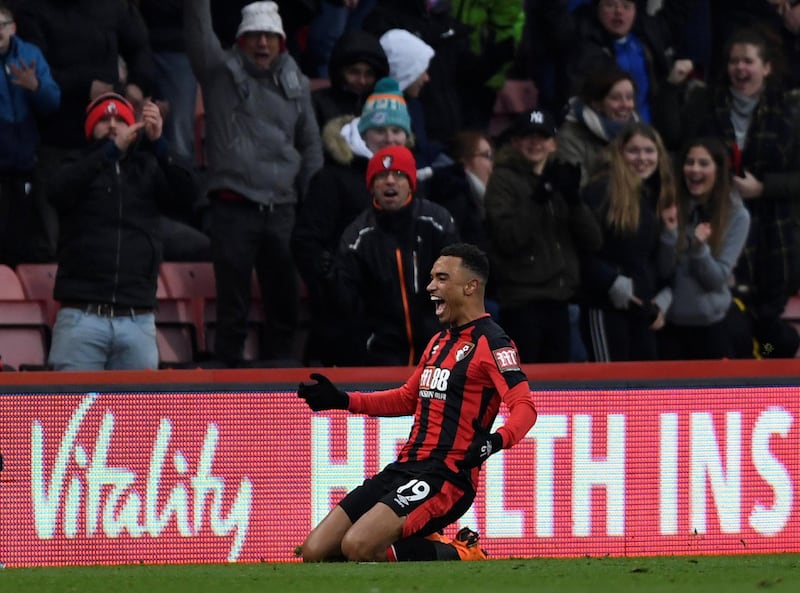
[633, 200]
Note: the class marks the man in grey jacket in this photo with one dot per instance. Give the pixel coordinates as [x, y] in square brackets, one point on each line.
[263, 145]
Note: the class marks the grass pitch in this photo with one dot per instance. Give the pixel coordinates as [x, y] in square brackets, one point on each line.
[684, 574]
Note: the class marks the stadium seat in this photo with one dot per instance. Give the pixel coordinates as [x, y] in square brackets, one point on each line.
[791, 313]
[195, 281]
[24, 329]
[38, 281]
[176, 331]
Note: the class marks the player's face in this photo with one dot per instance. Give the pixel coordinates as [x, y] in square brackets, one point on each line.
[448, 288]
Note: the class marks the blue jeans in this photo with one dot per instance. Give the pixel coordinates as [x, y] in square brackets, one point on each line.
[177, 84]
[87, 342]
[326, 28]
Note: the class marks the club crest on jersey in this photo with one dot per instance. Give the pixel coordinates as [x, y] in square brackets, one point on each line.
[506, 358]
[463, 350]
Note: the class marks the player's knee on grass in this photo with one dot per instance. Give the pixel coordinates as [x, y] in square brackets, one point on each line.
[358, 549]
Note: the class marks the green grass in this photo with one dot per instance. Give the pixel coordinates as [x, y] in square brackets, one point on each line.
[724, 574]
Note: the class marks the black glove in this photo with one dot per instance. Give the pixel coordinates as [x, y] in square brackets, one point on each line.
[565, 178]
[485, 444]
[323, 395]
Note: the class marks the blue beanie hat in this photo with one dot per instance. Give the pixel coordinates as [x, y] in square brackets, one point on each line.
[385, 107]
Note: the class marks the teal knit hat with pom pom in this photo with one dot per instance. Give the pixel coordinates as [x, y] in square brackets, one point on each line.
[385, 107]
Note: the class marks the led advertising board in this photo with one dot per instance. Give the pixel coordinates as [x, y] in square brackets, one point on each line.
[176, 475]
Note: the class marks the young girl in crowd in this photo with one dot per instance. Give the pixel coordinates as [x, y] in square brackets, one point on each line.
[626, 303]
[712, 230]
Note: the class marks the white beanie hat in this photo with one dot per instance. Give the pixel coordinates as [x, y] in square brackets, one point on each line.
[408, 56]
[261, 16]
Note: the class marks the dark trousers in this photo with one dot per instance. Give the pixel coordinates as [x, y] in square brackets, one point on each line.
[540, 329]
[685, 342]
[244, 236]
[16, 216]
[615, 335]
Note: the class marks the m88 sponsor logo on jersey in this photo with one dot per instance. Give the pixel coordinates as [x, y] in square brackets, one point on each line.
[433, 383]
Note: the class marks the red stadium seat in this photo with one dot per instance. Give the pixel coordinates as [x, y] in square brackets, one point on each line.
[195, 281]
[38, 281]
[24, 329]
[791, 313]
[176, 331]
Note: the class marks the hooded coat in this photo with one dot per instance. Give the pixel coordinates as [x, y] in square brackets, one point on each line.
[337, 99]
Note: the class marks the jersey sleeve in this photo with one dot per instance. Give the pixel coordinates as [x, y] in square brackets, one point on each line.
[522, 414]
[400, 401]
[502, 364]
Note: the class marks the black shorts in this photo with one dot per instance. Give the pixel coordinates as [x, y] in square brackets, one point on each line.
[424, 495]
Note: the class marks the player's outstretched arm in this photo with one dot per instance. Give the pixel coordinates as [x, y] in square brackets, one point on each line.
[323, 395]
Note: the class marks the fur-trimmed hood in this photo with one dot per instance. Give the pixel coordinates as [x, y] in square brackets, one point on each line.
[334, 143]
[342, 142]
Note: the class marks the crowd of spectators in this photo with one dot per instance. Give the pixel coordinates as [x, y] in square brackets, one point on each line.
[645, 208]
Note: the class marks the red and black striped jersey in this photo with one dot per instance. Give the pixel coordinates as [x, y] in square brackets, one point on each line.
[463, 375]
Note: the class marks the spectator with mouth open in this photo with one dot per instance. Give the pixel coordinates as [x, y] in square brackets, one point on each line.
[754, 113]
[263, 147]
[385, 255]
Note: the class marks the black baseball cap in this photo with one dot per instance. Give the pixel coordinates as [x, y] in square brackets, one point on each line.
[537, 121]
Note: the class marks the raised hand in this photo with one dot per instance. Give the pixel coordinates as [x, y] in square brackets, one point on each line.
[24, 75]
[153, 122]
[323, 395]
[702, 232]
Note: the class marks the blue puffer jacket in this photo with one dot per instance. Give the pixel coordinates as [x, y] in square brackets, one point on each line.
[19, 135]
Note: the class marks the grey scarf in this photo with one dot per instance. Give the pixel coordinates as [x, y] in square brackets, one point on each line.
[742, 108]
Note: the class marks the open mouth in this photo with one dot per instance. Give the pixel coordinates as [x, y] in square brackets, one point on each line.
[696, 186]
[439, 305]
[741, 80]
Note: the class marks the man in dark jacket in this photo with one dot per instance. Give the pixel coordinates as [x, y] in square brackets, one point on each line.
[83, 41]
[385, 257]
[109, 248]
[336, 195]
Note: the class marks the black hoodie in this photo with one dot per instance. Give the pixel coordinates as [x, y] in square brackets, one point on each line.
[337, 99]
